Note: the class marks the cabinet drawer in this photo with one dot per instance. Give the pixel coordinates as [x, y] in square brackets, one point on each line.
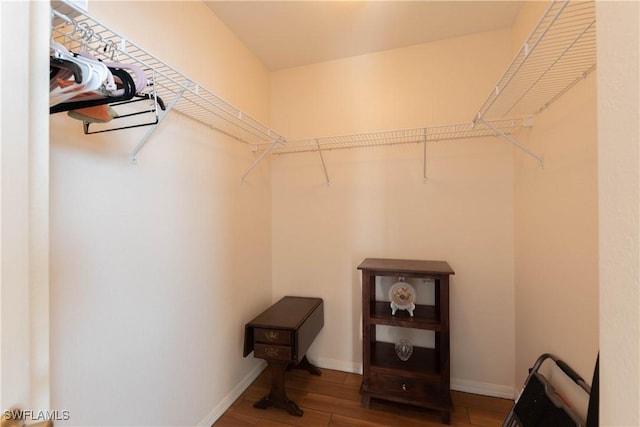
[268, 351]
[272, 336]
[398, 385]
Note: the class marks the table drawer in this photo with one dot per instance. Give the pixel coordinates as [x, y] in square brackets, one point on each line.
[269, 351]
[272, 336]
[397, 385]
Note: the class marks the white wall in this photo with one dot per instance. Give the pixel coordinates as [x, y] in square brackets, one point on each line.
[618, 40]
[378, 206]
[155, 268]
[24, 222]
[15, 220]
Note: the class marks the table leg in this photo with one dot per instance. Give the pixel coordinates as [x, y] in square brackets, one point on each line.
[446, 417]
[365, 401]
[307, 366]
[277, 396]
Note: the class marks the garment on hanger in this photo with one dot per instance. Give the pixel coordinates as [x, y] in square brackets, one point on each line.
[63, 68]
[124, 82]
[125, 91]
[141, 81]
[94, 76]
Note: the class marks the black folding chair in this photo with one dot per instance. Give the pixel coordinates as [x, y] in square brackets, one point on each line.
[540, 405]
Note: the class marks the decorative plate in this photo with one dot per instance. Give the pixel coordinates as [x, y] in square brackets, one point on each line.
[402, 296]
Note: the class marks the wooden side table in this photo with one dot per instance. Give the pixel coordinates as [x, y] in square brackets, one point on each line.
[282, 335]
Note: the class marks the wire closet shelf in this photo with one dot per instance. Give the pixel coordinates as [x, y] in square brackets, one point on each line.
[76, 30]
[400, 136]
[559, 52]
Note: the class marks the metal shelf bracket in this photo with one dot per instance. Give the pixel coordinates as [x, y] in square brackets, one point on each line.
[424, 157]
[324, 167]
[260, 157]
[133, 157]
[528, 122]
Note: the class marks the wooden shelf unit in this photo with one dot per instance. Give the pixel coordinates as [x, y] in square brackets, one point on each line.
[424, 379]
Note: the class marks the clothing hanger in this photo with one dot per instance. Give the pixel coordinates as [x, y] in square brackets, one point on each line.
[58, 94]
[96, 77]
[128, 86]
[57, 64]
[93, 96]
[140, 76]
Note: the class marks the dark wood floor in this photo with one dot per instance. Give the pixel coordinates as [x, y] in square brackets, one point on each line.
[333, 400]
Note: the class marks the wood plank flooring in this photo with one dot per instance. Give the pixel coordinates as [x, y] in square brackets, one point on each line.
[333, 400]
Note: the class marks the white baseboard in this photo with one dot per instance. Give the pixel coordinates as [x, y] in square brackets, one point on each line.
[467, 386]
[337, 365]
[228, 400]
[485, 389]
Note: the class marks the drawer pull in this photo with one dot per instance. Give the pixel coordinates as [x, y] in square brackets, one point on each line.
[271, 352]
[271, 335]
[404, 387]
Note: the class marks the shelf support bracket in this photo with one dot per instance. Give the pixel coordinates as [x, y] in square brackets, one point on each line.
[513, 141]
[133, 157]
[260, 157]
[424, 157]
[324, 167]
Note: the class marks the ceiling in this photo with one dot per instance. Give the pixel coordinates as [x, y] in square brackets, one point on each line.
[284, 34]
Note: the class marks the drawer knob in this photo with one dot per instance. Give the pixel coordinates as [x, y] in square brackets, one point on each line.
[404, 387]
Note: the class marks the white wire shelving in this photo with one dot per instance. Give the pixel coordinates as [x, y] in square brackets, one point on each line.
[399, 136]
[559, 52]
[76, 30]
[395, 137]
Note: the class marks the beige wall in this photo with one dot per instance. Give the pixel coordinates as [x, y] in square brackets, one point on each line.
[619, 180]
[378, 206]
[24, 221]
[556, 230]
[147, 260]
[156, 268]
[423, 85]
[556, 235]
[528, 17]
